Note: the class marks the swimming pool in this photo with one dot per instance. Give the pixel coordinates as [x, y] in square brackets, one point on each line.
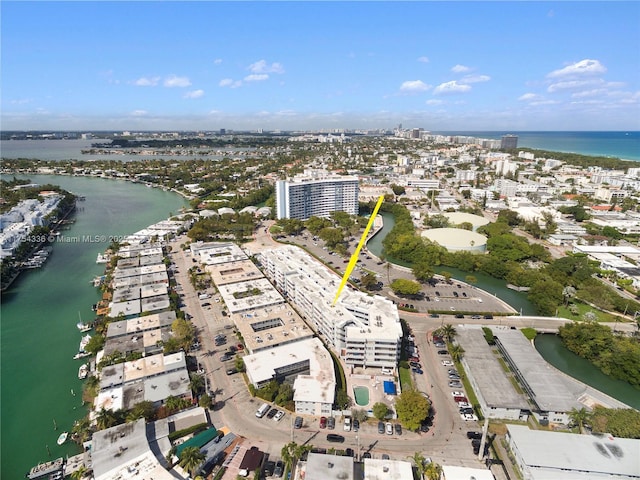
[362, 396]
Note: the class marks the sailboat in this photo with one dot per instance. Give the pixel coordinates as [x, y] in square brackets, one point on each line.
[83, 327]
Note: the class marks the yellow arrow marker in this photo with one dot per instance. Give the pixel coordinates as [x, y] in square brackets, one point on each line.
[354, 257]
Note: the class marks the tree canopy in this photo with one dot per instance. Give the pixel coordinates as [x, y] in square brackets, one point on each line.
[412, 408]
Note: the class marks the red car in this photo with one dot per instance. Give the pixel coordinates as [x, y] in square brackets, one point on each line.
[414, 359]
[323, 422]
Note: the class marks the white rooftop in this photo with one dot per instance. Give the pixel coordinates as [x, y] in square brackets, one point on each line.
[465, 473]
[248, 295]
[560, 456]
[377, 469]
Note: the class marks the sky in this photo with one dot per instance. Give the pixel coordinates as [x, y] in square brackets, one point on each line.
[439, 66]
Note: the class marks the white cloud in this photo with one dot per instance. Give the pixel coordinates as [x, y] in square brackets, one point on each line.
[139, 113]
[414, 86]
[460, 69]
[175, 81]
[229, 82]
[423, 59]
[434, 102]
[21, 101]
[571, 85]
[261, 66]
[146, 81]
[475, 78]
[583, 67]
[194, 94]
[451, 87]
[256, 77]
[529, 97]
[217, 61]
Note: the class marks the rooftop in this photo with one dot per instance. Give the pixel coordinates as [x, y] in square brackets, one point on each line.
[249, 295]
[238, 271]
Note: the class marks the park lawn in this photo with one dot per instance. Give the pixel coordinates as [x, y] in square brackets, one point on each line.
[584, 308]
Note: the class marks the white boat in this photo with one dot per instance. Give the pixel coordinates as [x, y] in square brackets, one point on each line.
[102, 258]
[81, 355]
[62, 438]
[84, 342]
[83, 327]
[83, 371]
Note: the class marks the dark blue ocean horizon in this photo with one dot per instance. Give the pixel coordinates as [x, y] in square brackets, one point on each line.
[624, 145]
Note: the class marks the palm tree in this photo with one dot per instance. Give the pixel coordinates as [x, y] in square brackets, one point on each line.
[579, 417]
[196, 383]
[432, 471]
[448, 331]
[105, 419]
[79, 473]
[456, 352]
[81, 431]
[418, 459]
[191, 458]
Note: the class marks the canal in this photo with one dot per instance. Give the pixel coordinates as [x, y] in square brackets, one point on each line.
[549, 346]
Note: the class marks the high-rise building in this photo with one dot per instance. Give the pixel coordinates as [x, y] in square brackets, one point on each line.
[316, 194]
[509, 141]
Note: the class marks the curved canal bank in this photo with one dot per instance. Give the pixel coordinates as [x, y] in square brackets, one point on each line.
[549, 346]
[553, 351]
[40, 388]
[495, 286]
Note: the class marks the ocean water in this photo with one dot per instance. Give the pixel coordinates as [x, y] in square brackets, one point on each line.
[623, 145]
[38, 334]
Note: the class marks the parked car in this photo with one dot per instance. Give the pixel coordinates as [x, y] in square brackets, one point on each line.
[474, 435]
[380, 427]
[454, 384]
[333, 437]
[272, 413]
[279, 470]
[297, 423]
[443, 352]
[415, 364]
[356, 425]
[269, 467]
[455, 393]
[278, 416]
[388, 428]
[447, 363]
[417, 371]
[347, 424]
[398, 429]
[231, 371]
[323, 422]
[366, 455]
[331, 423]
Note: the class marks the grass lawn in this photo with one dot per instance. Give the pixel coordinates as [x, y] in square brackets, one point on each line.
[584, 308]
[405, 378]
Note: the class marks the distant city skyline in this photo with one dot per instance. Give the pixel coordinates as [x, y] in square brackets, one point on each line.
[441, 66]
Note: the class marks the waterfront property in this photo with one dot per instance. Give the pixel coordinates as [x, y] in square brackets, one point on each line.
[152, 379]
[316, 193]
[551, 393]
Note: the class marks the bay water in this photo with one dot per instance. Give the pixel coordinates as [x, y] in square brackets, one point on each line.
[39, 379]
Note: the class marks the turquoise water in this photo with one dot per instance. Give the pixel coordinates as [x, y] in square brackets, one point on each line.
[623, 145]
[362, 395]
[553, 351]
[39, 315]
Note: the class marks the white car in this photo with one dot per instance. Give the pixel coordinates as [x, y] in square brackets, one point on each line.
[278, 416]
[464, 405]
[455, 393]
[468, 417]
[447, 363]
[389, 429]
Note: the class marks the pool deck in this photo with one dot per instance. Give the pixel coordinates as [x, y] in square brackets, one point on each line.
[373, 379]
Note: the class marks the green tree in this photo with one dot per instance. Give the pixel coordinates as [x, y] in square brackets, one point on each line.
[106, 419]
[579, 418]
[190, 459]
[79, 473]
[448, 331]
[422, 271]
[95, 344]
[368, 281]
[343, 401]
[239, 364]
[196, 383]
[144, 409]
[205, 401]
[412, 408]
[380, 410]
[397, 189]
[433, 471]
[316, 224]
[402, 286]
[456, 352]
[419, 462]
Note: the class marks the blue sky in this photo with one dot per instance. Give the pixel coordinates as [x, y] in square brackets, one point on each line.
[320, 65]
